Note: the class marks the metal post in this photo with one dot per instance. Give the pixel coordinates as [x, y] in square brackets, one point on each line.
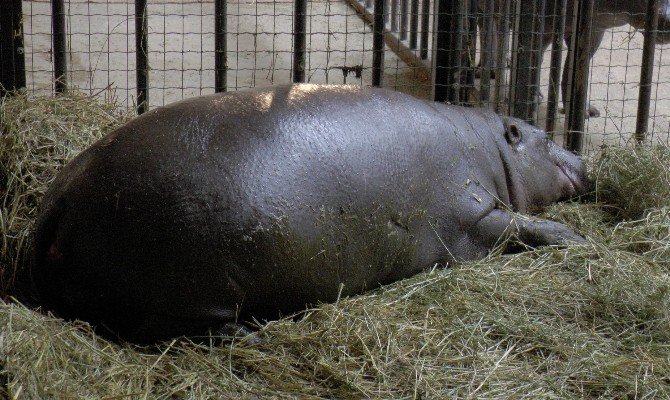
[538, 53]
[515, 13]
[488, 36]
[220, 47]
[378, 43]
[448, 43]
[425, 11]
[142, 55]
[59, 45]
[579, 76]
[501, 55]
[558, 17]
[644, 99]
[12, 55]
[403, 19]
[394, 15]
[468, 61]
[526, 76]
[299, 40]
[414, 24]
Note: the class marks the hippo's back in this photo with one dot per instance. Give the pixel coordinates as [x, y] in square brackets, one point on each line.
[180, 216]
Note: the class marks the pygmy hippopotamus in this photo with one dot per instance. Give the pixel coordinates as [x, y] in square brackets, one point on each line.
[252, 205]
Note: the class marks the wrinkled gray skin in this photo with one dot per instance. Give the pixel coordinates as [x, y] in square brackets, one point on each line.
[255, 204]
[607, 14]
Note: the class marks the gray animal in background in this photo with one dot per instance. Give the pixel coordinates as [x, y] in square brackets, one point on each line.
[607, 14]
[256, 204]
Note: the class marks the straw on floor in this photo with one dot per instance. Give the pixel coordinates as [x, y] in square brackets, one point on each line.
[582, 321]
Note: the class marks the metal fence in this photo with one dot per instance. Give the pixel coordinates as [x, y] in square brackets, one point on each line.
[517, 57]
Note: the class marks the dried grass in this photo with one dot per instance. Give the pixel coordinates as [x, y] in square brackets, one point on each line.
[584, 321]
[37, 137]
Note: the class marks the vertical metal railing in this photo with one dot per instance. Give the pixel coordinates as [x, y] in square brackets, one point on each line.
[12, 54]
[59, 45]
[644, 99]
[425, 20]
[503, 36]
[299, 40]
[470, 54]
[448, 48]
[558, 12]
[409, 21]
[528, 55]
[378, 42]
[578, 73]
[142, 55]
[487, 37]
[220, 46]
[403, 19]
[414, 24]
[394, 15]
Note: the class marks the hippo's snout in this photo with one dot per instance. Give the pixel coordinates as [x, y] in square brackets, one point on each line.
[573, 180]
[572, 173]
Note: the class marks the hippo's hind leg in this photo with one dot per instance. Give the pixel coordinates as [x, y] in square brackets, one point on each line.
[501, 224]
[596, 38]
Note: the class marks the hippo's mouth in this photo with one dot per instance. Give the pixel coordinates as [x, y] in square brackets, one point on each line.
[571, 181]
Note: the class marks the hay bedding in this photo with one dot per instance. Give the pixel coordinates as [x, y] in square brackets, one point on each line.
[579, 322]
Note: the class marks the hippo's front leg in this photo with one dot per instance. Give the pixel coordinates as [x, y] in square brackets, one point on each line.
[534, 232]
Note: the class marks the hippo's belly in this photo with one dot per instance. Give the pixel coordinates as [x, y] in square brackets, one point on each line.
[231, 206]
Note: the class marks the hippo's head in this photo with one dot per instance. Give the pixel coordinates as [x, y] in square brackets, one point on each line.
[538, 172]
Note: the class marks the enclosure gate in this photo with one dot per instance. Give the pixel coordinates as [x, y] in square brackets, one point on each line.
[404, 26]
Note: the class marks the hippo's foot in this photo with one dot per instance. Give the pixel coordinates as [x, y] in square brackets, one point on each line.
[541, 232]
[534, 232]
[478, 73]
[591, 111]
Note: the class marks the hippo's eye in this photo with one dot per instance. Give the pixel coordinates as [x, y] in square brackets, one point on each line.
[513, 134]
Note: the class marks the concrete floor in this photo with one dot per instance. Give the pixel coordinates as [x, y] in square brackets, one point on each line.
[181, 46]
[181, 42]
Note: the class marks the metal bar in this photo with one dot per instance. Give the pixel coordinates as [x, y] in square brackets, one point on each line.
[514, 54]
[524, 78]
[414, 24]
[501, 55]
[12, 55]
[386, 11]
[220, 46]
[558, 17]
[59, 45]
[299, 40]
[448, 43]
[403, 19]
[538, 52]
[409, 57]
[579, 76]
[468, 62]
[644, 99]
[425, 14]
[142, 55]
[378, 43]
[486, 57]
[394, 15]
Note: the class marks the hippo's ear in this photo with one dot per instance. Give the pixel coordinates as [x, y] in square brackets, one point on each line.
[513, 134]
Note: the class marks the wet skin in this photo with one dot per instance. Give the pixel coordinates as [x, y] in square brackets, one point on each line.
[255, 204]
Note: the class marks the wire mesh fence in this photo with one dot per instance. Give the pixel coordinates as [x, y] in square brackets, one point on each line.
[101, 47]
[496, 53]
